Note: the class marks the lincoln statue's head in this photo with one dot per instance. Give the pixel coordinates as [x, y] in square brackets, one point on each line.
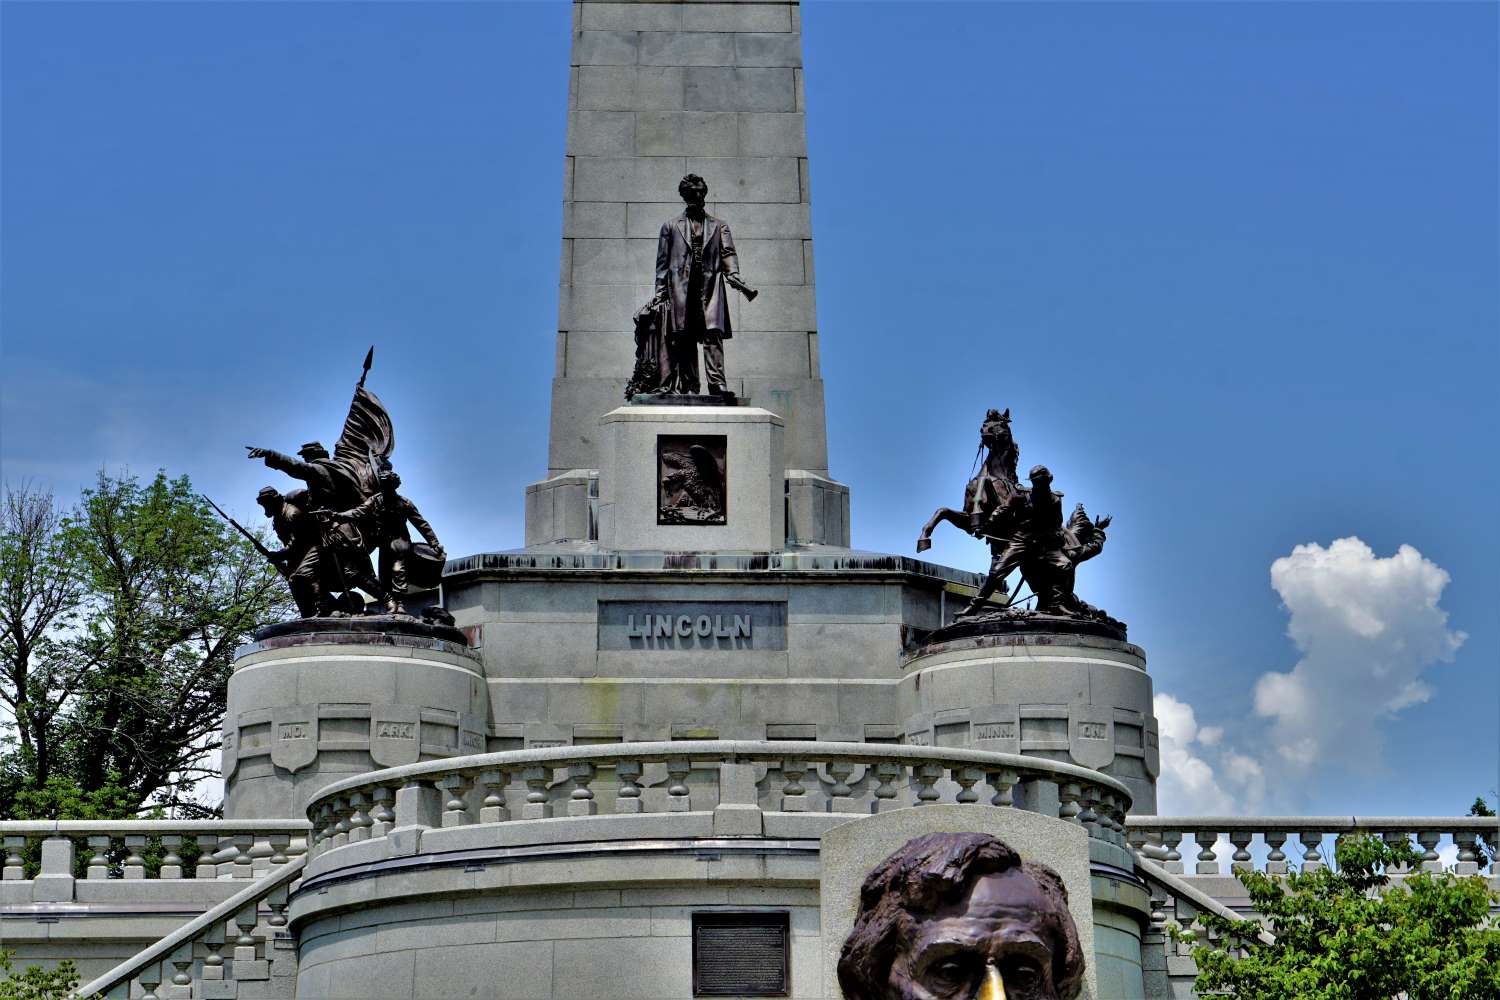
[959, 916]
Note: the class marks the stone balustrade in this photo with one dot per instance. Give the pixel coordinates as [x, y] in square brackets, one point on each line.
[740, 783]
[228, 953]
[1166, 839]
[50, 851]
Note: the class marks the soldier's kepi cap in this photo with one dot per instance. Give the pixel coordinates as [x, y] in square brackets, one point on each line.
[313, 447]
[1038, 471]
[267, 493]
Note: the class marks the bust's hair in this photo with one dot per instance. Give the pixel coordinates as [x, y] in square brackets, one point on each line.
[691, 180]
[921, 877]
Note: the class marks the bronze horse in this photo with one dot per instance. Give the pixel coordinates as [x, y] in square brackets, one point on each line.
[991, 490]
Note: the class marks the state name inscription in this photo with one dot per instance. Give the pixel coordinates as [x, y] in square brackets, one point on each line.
[692, 625]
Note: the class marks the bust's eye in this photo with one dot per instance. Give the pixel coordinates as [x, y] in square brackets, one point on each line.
[1023, 974]
[948, 973]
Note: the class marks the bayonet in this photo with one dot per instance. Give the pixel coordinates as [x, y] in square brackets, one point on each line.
[271, 558]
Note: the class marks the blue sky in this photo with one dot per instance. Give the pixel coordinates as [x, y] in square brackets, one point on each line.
[1232, 267]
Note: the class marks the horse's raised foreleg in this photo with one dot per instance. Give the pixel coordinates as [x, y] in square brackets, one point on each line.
[959, 519]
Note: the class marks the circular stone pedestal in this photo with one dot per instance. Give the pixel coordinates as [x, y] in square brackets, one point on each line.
[1082, 699]
[316, 700]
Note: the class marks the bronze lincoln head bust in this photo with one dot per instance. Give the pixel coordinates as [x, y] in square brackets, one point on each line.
[959, 916]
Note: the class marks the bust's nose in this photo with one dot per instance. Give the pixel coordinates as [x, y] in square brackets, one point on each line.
[993, 987]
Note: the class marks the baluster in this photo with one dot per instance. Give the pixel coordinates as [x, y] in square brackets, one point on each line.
[628, 798]
[925, 776]
[15, 865]
[1092, 816]
[1117, 810]
[1394, 838]
[208, 845]
[1068, 809]
[280, 843]
[1241, 861]
[967, 778]
[1468, 857]
[581, 801]
[678, 798]
[1004, 783]
[244, 865]
[1208, 862]
[244, 945]
[150, 979]
[887, 773]
[213, 962]
[341, 825]
[536, 778]
[455, 808]
[1311, 840]
[1429, 839]
[277, 902]
[359, 818]
[492, 806]
[98, 857]
[171, 862]
[841, 796]
[322, 828]
[182, 961]
[1144, 842]
[260, 854]
[1491, 838]
[135, 865]
[1276, 860]
[382, 817]
[1171, 857]
[793, 795]
[1109, 831]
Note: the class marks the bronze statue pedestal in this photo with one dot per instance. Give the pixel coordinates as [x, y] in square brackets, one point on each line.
[683, 399]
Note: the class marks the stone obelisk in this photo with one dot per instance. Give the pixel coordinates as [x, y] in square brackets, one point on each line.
[659, 90]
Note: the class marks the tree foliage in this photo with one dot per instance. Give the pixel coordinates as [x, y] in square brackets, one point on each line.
[118, 625]
[36, 983]
[1350, 933]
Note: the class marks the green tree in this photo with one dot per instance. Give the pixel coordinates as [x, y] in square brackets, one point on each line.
[36, 983]
[117, 682]
[1349, 933]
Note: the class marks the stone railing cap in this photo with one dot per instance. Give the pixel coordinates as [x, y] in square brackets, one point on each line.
[655, 752]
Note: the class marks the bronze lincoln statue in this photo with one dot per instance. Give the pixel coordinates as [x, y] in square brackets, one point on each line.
[696, 265]
[959, 916]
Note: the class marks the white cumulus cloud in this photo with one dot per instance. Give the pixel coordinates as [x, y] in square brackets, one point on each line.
[1197, 777]
[1367, 629]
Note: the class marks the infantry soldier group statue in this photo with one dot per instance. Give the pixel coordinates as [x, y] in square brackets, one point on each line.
[1025, 530]
[347, 508]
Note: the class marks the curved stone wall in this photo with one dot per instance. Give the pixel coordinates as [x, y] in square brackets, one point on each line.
[308, 708]
[599, 921]
[1080, 699]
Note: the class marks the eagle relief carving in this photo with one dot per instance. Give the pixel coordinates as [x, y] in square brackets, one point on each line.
[691, 479]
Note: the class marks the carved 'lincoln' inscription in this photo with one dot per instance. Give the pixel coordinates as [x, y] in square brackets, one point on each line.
[682, 626]
[692, 625]
[1092, 730]
[396, 730]
[292, 731]
[995, 731]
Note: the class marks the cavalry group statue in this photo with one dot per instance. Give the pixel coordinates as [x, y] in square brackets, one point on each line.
[1025, 529]
[696, 265]
[346, 509]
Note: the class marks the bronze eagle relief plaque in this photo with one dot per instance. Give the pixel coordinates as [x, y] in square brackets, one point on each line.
[691, 480]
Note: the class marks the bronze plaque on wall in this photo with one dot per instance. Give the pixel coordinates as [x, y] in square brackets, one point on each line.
[691, 481]
[741, 954]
